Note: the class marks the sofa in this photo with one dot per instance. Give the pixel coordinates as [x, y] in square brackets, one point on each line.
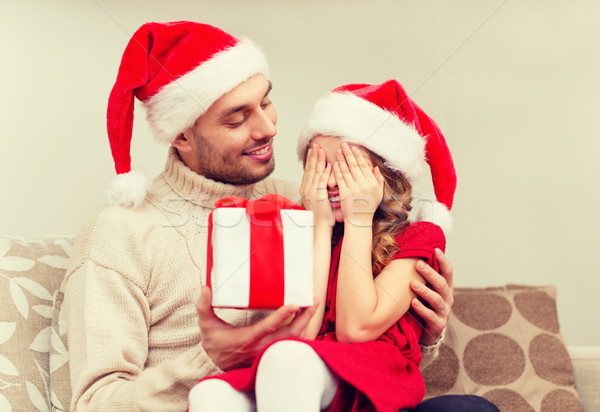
[503, 343]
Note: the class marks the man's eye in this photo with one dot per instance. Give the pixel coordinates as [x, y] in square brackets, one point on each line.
[266, 104]
[236, 122]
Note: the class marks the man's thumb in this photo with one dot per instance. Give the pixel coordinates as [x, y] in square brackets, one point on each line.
[204, 303]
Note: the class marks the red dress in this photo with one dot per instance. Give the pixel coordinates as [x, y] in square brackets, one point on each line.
[383, 375]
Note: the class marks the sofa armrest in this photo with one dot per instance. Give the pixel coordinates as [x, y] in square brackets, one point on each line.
[586, 369]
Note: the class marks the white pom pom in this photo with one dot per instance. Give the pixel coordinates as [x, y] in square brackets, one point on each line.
[128, 189]
[427, 210]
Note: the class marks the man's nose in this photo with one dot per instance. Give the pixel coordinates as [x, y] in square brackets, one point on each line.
[264, 126]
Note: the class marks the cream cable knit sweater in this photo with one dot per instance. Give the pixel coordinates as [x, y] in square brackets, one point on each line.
[131, 289]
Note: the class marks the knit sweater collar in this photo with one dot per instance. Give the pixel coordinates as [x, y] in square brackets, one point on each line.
[196, 188]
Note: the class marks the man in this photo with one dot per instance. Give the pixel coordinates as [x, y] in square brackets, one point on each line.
[132, 290]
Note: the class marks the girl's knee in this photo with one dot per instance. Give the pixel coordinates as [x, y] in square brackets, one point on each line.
[290, 353]
[211, 386]
[216, 394]
[292, 376]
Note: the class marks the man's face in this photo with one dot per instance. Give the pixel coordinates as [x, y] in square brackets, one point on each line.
[232, 141]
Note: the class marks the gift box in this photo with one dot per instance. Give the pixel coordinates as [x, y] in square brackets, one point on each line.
[260, 253]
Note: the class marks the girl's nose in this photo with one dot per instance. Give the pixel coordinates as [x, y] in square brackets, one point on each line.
[331, 182]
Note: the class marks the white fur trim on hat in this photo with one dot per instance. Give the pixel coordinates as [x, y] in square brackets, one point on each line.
[427, 210]
[178, 104]
[128, 189]
[361, 122]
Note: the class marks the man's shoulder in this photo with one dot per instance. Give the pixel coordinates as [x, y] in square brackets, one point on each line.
[285, 188]
[113, 219]
[113, 230]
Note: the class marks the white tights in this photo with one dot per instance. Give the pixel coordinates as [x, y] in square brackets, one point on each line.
[290, 377]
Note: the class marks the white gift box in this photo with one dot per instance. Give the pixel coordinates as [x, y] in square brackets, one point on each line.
[260, 261]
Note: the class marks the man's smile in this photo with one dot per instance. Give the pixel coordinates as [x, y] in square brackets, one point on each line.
[260, 154]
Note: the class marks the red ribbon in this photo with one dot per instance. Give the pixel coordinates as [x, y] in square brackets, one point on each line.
[267, 287]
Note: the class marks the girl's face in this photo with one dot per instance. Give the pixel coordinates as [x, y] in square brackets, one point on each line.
[330, 145]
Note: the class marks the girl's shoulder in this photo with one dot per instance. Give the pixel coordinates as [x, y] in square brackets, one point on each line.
[421, 235]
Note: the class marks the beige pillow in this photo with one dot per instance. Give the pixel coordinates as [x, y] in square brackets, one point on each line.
[505, 344]
[30, 273]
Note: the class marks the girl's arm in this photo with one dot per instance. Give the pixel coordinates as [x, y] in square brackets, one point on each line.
[366, 307]
[322, 259]
[313, 190]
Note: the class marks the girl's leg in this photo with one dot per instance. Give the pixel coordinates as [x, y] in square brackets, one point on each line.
[218, 395]
[292, 377]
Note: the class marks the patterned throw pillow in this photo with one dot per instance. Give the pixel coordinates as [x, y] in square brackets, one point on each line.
[505, 344]
[30, 273]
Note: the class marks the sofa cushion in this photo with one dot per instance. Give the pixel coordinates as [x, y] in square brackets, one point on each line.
[30, 273]
[505, 344]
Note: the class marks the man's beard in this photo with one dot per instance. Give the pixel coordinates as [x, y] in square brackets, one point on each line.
[226, 170]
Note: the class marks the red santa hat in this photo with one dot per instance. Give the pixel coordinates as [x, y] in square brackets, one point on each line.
[177, 70]
[383, 119]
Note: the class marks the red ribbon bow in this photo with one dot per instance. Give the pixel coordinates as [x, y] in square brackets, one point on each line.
[260, 211]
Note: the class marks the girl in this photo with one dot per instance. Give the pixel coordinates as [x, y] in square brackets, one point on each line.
[363, 148]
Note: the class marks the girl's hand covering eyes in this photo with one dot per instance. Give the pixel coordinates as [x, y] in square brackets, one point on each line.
[360, 185]
[313, 188]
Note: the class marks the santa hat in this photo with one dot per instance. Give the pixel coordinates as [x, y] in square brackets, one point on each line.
[177, 70]
[383, 119]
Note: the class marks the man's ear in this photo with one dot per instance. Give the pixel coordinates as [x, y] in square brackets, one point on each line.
[184, 142]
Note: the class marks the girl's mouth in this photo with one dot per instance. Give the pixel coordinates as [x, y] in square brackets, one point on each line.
[334, 200]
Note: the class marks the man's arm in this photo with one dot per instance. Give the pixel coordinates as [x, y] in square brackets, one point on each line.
[439, 297]
[108, 321]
